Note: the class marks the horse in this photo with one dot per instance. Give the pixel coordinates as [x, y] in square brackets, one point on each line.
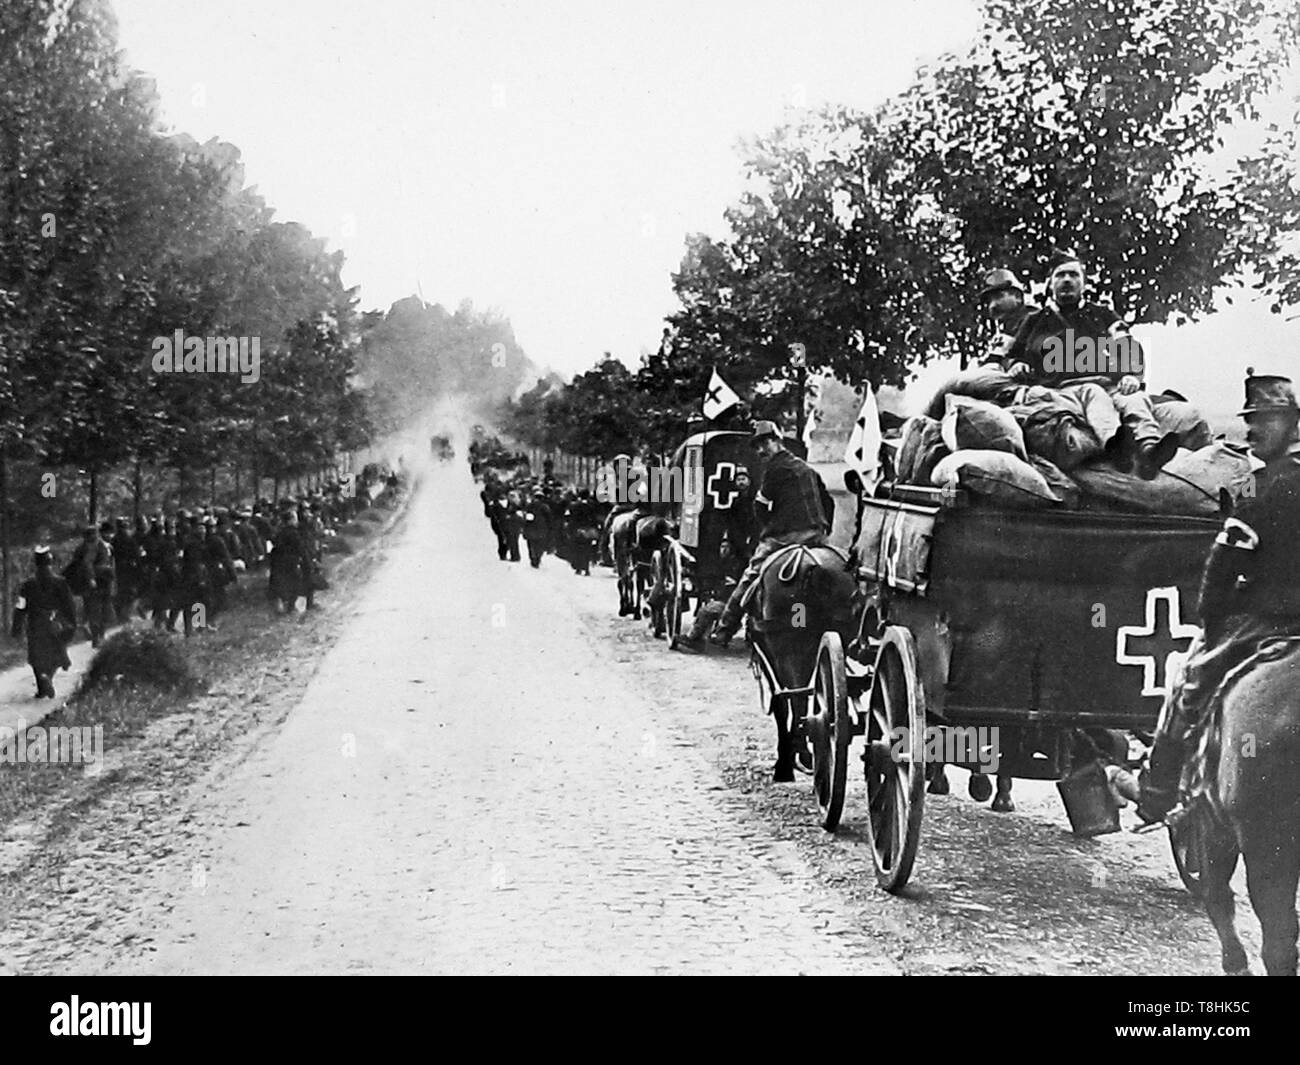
[1251, 807]
[634, 537]
[801, 593]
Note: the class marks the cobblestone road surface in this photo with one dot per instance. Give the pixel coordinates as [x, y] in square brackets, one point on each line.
[468, 785]
[466, 766]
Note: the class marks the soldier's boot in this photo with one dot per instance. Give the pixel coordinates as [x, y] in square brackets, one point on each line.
[1152, 455]
[705, 616]
[728, 624]
[1159, 785]
[44, 686]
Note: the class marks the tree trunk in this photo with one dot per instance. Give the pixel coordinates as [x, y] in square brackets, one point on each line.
[136, 488]
[92, 507]
[212, 486]
[5, 571]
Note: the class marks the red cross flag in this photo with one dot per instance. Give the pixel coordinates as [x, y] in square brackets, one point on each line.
[863, 452]
[719, 397]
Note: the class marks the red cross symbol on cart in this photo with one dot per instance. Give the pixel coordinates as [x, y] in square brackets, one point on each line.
[1159, 644]
[722, 487]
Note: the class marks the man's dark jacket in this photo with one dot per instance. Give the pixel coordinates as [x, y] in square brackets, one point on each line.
[796, 496]
[1272, 574]
[1087, 320]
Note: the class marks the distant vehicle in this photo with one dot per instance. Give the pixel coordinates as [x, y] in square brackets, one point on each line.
[441, 446]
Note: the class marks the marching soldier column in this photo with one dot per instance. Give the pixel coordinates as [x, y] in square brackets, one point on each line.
[180, 567]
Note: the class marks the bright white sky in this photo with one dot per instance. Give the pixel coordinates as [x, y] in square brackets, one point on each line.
[543, 158]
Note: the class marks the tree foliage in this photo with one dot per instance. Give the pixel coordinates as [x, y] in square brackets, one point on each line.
[114, 232]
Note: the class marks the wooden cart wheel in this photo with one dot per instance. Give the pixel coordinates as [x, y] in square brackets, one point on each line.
[830, 729]
[1185, 842]
[675, 601]
[895, 758]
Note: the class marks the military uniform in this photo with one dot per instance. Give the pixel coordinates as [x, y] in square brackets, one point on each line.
[1250, 593]
[46, 610]
[92, 575]
[1056, 330]
[799, 511]
[1006, 324]
[289, 567]
[192, 587]
[313, 578]
[220, 569]
[128, 557]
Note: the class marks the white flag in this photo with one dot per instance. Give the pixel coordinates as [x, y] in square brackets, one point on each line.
[863, 453]
[811, 411]
[719, 397]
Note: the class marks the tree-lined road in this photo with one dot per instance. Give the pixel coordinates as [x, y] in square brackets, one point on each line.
[491, 773]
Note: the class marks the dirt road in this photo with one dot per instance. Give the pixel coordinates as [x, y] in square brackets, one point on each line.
[488, 772]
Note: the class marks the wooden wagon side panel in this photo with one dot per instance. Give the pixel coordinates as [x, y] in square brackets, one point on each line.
[1068, 618]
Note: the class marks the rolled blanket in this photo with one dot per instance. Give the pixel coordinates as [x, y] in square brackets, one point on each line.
[1000, 477]
[981, 382]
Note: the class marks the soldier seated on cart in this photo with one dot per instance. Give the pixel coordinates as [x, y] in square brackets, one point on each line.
[798, 510]
[1087, 349]
[1250, 590]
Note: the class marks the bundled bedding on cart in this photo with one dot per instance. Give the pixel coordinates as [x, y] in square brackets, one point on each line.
[1032, 447]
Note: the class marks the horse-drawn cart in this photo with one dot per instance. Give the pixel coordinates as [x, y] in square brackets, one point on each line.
[991, 633]
[706, 491]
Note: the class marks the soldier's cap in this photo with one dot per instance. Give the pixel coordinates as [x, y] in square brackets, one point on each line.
[210, 521]
[1000, 281]
[42, 556]
[1169, 393]
[1061, 256]
[1268, 392]
[763, 430]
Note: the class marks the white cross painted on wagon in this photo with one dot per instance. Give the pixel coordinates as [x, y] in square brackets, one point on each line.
[723, 479]
[1159, 644]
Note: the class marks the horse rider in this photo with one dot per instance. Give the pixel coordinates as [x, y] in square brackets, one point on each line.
[45, 608]
[799, 510]
[1043, 352]
[1250, 589]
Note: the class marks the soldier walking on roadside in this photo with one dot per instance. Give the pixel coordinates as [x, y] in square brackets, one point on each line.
[92, 575]
[45, 608]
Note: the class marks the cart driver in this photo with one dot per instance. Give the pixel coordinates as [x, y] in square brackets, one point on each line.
[1250, 590]
[794, 507]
